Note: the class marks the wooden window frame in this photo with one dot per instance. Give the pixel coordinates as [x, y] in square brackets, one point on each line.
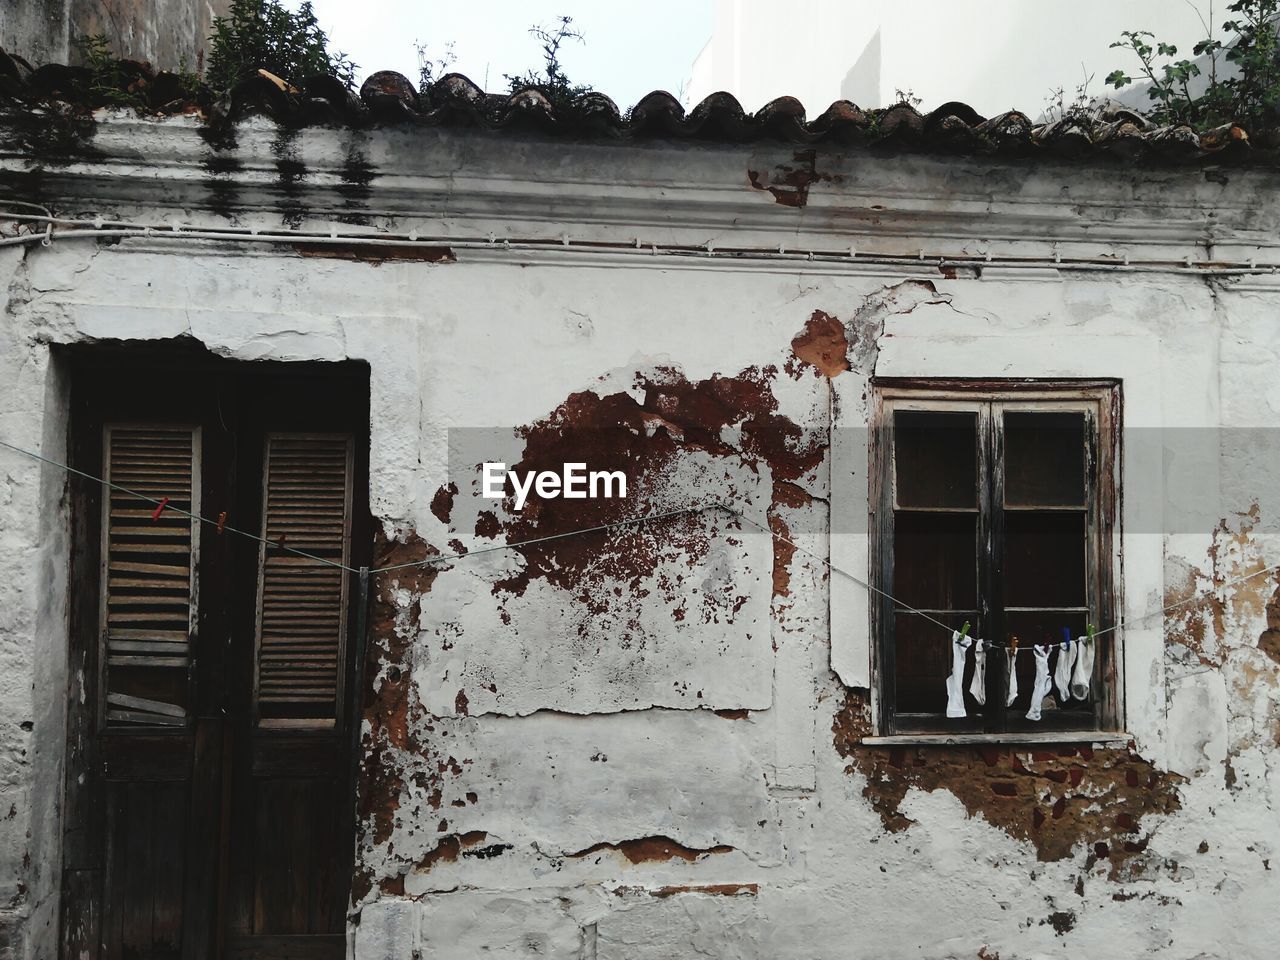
[1103, 401]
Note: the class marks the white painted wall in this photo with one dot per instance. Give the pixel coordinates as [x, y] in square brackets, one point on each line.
[587, 728]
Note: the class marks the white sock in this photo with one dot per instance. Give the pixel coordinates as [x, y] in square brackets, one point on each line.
[1082, 676]
[978, 685]
[1062, 672]
[1011, 655]
[1042, 684]
[955, 682]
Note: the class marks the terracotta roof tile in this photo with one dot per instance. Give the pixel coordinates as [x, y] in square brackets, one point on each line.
[1109, 134]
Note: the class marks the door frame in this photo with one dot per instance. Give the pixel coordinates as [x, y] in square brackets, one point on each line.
[182, 364]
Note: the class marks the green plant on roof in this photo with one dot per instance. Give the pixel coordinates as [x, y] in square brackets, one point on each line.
[431, 69]
[107, 81]
[265, 35]
[552, 81]
[1249, 94]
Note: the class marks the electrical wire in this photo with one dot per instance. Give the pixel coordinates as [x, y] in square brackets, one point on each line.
[178, 510]
[601, 528]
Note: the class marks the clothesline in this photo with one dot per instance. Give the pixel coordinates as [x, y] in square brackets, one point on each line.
[222, 526]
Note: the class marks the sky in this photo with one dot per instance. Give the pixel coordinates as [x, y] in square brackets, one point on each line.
[628, 49]
[992, 54]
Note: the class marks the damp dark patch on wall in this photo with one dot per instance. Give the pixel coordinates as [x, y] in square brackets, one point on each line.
[290, 173]
[355, 186]
[220, 180]
[1055, 797]
[56, 135]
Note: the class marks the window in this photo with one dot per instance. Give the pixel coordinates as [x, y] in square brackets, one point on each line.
[993, 504]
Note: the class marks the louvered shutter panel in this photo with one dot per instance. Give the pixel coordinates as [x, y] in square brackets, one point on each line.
[302, 603]
[148, 602]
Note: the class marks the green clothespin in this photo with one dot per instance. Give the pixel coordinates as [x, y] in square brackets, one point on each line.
[964, 630]
[1089, 630]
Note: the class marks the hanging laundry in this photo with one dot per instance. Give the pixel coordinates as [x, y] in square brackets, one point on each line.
[955, 682]
[1042, 685]
[1067, 654]
[978, 685]
[1011, 657]
[1082, 675]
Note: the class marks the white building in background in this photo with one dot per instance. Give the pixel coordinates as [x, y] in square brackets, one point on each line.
[995, 55]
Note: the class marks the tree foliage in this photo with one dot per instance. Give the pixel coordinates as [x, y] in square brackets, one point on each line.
[1251, 95]
[264, 34]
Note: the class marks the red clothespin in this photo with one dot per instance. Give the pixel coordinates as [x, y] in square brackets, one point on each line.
[155, 514]
[1013, 645]
[222, 521]
[280, 541]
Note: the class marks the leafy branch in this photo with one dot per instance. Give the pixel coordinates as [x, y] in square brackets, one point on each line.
[265, 35]
[1250, 95]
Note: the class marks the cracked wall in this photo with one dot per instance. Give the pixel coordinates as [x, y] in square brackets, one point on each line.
[649, 744]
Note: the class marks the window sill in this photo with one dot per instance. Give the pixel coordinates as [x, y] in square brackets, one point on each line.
[1012, 738]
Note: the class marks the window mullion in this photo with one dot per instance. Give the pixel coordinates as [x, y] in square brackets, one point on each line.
[991, 561]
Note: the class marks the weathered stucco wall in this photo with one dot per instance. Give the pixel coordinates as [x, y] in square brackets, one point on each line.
[649, 745]
[169, 34]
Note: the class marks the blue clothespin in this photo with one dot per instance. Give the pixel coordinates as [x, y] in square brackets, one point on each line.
[1066, 638]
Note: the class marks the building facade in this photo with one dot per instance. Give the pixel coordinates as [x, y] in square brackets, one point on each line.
[1021, 378]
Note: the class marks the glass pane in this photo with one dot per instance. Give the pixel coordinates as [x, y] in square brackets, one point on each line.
[922, 660]
[1046, 627]
[1044, 459]
[936, 458]
[935, 564]
[1044, 559]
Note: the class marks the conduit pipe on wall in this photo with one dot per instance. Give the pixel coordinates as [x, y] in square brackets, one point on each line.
[70, 229]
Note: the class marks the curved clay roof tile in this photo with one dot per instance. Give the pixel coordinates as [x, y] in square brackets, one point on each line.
[783, 119]
[718, 117]
[657, 114]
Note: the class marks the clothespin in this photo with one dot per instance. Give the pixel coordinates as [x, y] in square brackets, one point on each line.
[1066, 638]
[964, 630]
[155, 514]
[1013, 645]
[280, 541]
[222, 521]
[1089, 629]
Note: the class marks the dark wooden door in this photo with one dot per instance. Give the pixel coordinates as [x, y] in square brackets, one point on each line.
[209, 800]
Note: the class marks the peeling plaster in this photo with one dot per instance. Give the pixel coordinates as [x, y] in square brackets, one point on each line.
[638, 745]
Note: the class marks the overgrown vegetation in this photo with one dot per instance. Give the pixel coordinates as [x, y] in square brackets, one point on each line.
[107, 81]
[431, 69]
[265, 35]
[1058, 107]
[1249, 93]
[552, 81]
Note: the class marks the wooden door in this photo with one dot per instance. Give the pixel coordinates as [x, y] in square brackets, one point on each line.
[209, 801]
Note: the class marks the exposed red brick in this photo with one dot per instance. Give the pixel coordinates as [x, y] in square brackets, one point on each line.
[823, 345]
[1094, 796]
[651, 850]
